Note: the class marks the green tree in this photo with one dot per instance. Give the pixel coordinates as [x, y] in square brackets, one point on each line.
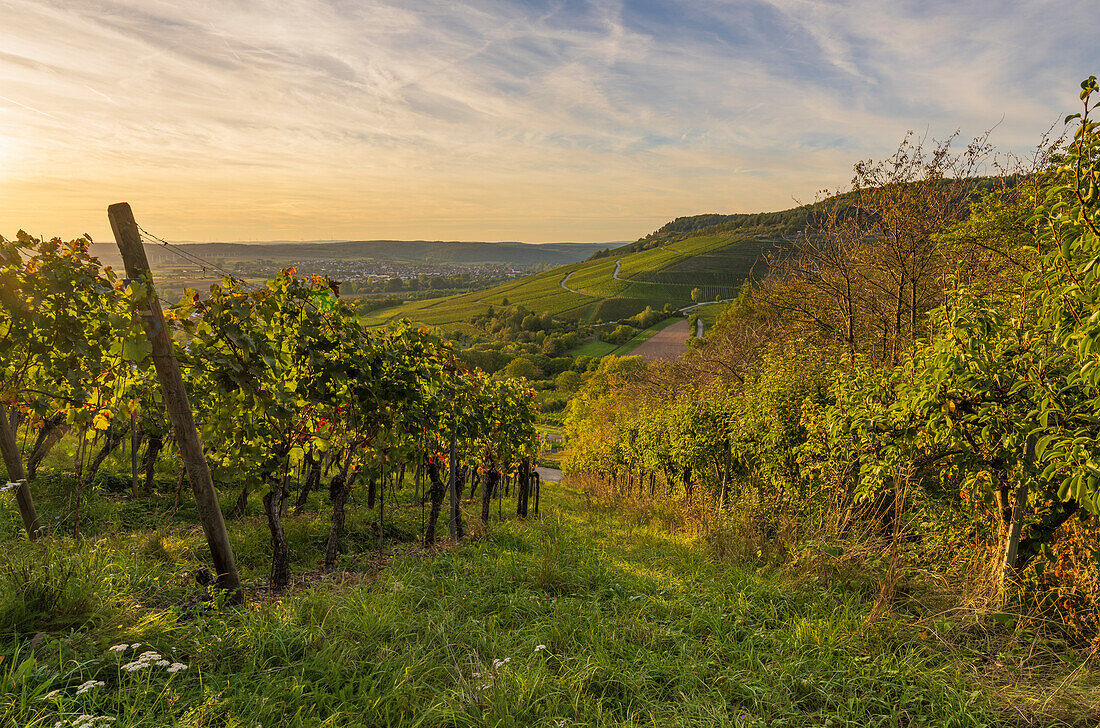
[521, 368]
[568, 381]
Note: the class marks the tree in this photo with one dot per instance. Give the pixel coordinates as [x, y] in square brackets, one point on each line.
[870, 262]
[568, 381]
[521, 368]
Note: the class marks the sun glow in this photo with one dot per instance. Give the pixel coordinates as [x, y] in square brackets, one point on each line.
[483, 120]
[7, 152]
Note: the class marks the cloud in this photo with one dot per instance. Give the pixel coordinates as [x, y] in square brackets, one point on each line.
[532, 120]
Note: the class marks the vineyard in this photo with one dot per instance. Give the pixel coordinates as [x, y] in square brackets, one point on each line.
[869, 495]
[612, 287]
[586, 364]
[286, 387]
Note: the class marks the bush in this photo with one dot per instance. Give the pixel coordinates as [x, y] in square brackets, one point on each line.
[620, 335]
[554, 404]
[647, 318]
[521, 368]
[568, 381]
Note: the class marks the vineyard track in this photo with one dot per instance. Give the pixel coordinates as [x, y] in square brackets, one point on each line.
[549, 475]
[669, 343]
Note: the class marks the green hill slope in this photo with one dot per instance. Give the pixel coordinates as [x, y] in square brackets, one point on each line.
[616, 285]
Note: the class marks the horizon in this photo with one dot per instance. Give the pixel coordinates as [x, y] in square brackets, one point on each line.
[381, 240]
[495, 121]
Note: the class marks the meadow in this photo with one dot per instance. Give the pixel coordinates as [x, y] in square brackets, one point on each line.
[585, 616]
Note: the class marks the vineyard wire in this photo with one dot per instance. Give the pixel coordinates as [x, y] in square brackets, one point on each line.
[192, 257]
[205, 264]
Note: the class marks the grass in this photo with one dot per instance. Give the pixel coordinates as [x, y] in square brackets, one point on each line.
[643, 264]
[595, 347]
[709, 313]
[585, 617]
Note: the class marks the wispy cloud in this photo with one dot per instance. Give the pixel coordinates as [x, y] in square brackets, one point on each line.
[492, 119]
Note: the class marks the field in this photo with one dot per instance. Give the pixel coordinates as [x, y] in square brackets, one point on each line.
[585, 617]
[609, 288]
[602, 348]
[669, 344]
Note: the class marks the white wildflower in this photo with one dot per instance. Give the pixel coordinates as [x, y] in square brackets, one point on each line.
[10, 486]
[87, 721]
[51, 694]
[118, 648]
[176, 667]
[163, 663]
[540, 648]
[91, 684]
[145, 659]
[501, 662]
[135, 645]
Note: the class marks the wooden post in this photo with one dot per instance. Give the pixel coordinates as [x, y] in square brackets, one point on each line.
[14, 462]
[175, 399]
[1019, 503]
[420, 497]
[489, 484]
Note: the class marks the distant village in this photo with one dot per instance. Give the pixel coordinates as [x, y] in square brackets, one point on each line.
[363, 276]
[358, 277]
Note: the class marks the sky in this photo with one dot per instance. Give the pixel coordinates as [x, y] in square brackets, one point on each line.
[485, 120]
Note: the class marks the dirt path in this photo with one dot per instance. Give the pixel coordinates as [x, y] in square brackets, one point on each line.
[551, 475]
[668, 343]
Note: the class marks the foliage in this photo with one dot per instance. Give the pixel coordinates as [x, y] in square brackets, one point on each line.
[887, 383]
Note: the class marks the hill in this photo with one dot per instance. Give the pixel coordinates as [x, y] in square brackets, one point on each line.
[780, 224]
[612, 286]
